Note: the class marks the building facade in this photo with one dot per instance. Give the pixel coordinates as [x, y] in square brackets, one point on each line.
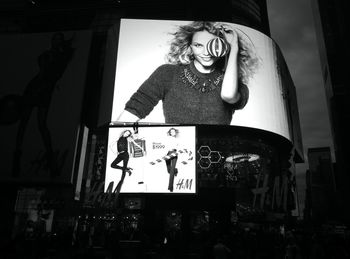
[330, 22]
[56, 168]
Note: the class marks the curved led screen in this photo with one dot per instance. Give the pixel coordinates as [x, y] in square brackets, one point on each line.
[185, 72]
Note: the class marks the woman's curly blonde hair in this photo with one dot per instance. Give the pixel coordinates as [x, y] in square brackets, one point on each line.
[180, 52]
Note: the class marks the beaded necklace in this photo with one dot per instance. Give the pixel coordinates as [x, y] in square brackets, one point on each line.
[204, 84]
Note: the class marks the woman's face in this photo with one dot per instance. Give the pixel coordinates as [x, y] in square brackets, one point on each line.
[202, 58]
[172, 133]
[127, 134]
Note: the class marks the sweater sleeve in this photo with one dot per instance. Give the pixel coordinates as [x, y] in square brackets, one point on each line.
[244, 92]
[142, 102]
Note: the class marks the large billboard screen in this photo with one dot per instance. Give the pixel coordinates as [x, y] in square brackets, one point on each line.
[185, 72]
[155, 159]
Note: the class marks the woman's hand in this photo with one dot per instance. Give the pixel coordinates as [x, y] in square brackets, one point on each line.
[231, 37]
[125, 116]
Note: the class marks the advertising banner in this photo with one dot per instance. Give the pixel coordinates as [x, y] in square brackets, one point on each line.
[185, 72]
[157, 159]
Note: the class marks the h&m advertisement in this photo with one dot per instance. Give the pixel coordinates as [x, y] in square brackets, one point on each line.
[185, 72]
[159, 159]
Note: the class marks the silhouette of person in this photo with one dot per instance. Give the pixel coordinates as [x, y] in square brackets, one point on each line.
[220, 250]
[38, 94]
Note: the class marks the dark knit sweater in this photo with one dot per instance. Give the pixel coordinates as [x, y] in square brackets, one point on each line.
[189, 97]
[122, 144]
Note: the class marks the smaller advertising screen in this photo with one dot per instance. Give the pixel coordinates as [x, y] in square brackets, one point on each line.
[153, 159]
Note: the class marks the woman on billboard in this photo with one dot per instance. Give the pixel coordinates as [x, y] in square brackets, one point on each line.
[125, 138]
[205, 80]
[172, 156]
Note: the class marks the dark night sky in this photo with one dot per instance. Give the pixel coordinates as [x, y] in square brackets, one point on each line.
[292, 27]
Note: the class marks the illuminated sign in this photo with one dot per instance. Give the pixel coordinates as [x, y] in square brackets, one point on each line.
[158, 159]
[162, 77]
